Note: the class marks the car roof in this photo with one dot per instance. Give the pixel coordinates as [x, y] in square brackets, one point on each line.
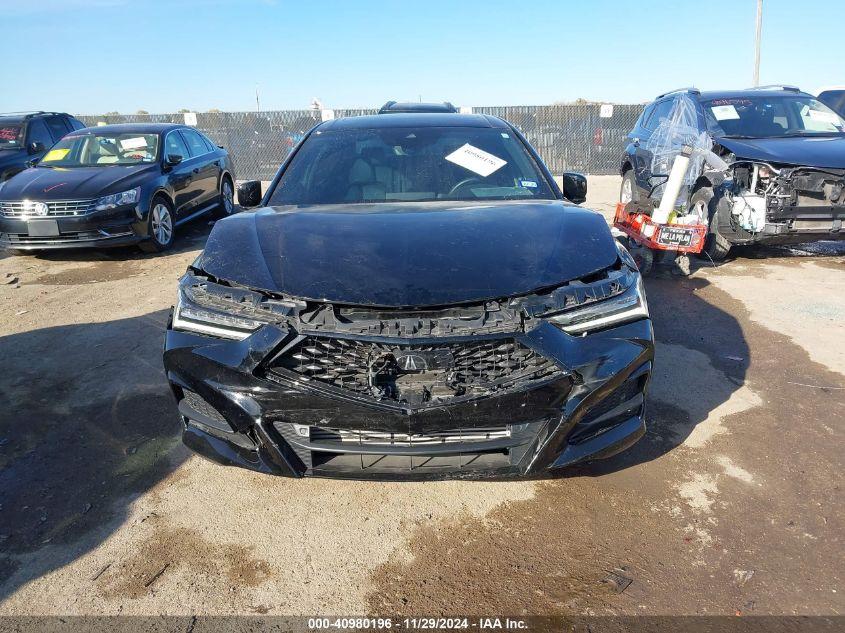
[416, 119]
[140, 128]
[20, 117]
[735, 94]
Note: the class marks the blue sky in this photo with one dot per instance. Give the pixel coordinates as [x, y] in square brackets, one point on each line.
[94, 56]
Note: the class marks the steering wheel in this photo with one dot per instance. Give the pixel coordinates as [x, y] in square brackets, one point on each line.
[462, 184]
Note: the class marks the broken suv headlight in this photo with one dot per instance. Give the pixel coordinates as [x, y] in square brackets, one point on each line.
[627, 306]
[197, 311]
[193, 318]
[217, 309]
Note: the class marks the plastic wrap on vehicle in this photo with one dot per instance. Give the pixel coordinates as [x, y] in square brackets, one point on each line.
[672, 133]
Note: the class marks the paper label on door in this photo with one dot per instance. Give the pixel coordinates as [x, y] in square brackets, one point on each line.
[724, 112]
[476, 160]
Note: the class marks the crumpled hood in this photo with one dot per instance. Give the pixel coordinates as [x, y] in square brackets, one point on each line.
[409, 254]
[824, 151]
[78, 183]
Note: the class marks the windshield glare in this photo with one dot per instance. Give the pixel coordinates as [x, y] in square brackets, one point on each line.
[102, 150]
[410, 164]
[766, 116]
[11, 136]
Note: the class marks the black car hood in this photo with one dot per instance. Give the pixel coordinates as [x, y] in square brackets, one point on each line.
[409, 254]
[53, 183]
[822, 151]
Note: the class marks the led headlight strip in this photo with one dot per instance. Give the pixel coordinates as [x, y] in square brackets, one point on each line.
[629, 306]
[192, 318]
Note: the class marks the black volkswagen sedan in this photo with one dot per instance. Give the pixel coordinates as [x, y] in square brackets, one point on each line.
[414, 298]
[116, 185]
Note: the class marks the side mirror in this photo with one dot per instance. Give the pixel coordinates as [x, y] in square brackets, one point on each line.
[249, 193]
[173, 159]
[574, 187]
[37, 147]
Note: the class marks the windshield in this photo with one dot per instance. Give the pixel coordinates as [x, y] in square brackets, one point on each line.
[410, 164]
[11, 136]
[767, 116]
[90, 150]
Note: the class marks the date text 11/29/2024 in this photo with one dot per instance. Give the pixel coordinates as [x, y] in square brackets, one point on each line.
[417, 623]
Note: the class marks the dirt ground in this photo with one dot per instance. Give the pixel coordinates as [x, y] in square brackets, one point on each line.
[731, 504]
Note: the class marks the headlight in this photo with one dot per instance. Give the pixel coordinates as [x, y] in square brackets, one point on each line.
[193, 318]
[118, 199]
[628, 306]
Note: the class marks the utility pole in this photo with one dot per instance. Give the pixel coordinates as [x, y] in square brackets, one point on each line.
[757, 43]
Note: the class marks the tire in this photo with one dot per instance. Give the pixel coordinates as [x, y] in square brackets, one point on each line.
[227, 198]
[159, 226]
[628, 189]
[716, 246]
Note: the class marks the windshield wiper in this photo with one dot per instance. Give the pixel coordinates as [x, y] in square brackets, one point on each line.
[806, 133]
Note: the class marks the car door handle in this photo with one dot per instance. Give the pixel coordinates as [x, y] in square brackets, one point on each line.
[196, 170]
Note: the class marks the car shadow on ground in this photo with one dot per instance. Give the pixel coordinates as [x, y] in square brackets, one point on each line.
[87, 422]
[701, 360]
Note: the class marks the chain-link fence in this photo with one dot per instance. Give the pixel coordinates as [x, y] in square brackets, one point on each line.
[569, 137]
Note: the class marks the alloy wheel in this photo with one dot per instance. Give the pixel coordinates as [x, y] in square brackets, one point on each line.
[228, 198]
[162, 223]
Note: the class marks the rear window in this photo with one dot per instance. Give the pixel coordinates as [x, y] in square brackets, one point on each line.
[835, 100]
[11, 136]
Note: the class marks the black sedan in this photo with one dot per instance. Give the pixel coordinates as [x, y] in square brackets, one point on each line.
[116, 185]
[415, 298]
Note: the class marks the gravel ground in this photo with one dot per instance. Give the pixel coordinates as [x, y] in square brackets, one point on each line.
[732, 504]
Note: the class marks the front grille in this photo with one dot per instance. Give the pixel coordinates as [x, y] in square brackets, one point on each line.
[417, 374]
[56, 208]
[380, 438]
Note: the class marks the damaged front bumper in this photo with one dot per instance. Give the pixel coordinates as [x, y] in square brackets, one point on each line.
[782, 204]
[240, 407]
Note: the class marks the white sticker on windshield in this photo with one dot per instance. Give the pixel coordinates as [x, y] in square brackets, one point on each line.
[476, 160]
[724, 112]
[136, 142]
[825, 117]
[528, 183]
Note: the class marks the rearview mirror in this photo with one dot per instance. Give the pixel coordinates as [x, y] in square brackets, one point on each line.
[249, 193]
[574, 187]
[37, 147]
[174, 159]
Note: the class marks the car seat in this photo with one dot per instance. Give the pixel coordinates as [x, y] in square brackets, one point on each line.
[363, 184]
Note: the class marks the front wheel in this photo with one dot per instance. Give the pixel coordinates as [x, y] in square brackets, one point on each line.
[227, 198]
[159, 227]
[703, 203]
[628, 191]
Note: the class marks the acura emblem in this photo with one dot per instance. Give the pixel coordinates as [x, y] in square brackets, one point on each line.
[411, 362]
